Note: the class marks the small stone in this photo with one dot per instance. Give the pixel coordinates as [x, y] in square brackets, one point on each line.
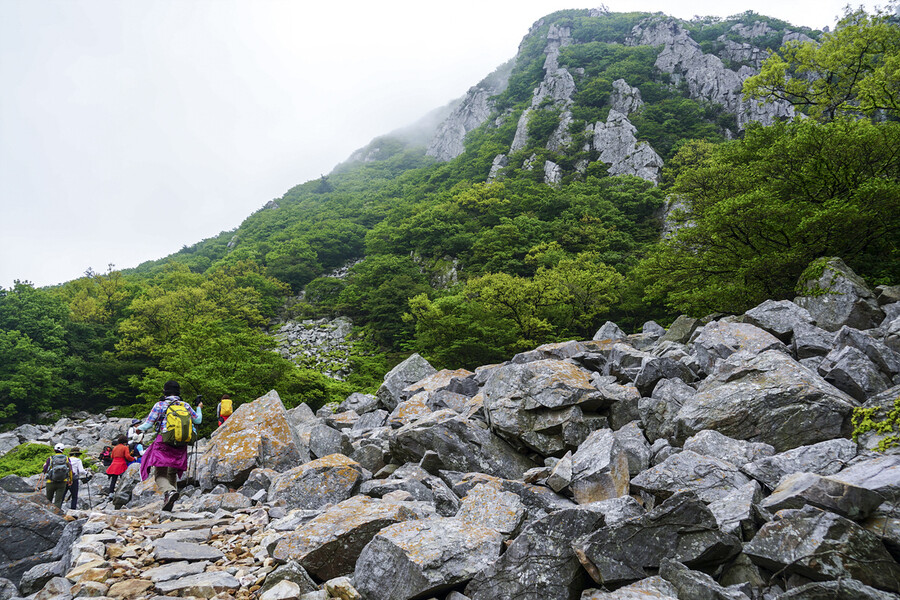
[129, 588]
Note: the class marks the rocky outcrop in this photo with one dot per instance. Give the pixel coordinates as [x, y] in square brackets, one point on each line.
[473, 110]
[617, 143]
[320, 344]
[706, 76]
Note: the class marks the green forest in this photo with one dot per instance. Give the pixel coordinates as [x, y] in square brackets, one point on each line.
[467, 272]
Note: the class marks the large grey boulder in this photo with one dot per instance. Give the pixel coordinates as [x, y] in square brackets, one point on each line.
[651, 588]
[882, 404]
[418, 558]
[736, 513]
[329, 545]
[719, 340]
[327, 480]
[681, 528]
[821, 545]
[487, 505]
[710, 478]
[30, 526]
[880, 474]
[461, 444]
[810, 341]
[636, 447]
[779, 317]
[258, 434]
[851, 371]
[539, 404]
[609, 331]
[405, 374]
[768, 398]
[800, 489]
[737, 452]
[539, 500]
[325, 440]
[659, 412]
[696, 585]
[359, 403]
[836, 296]
[599, 468]
[540, 564]
[842, 589]
[823, 458]
[681, 330]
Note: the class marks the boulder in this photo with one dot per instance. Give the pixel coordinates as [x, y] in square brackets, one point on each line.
[441, 380]
[258, 434]
[810, 341]
[880, 474]
[850, 370]
[681, 330]
[329, 545]
[882, 404]
[694, 584]
[292, 573]
[30, 526]
[486, 505]
[327, 480]
[461, 443]
[635, 446]
[539, 404]
[204, 585]
[410, 410]
[609, 331]
[599, 469]
[842, 589]
[821, 545]
[681, 528]
[737, 452]
[540, 564]
[736, 512]
[418, 558]
[767, 398]
[709, 478]
[651, 588]
[539, 500]
[779, 317]
[325, 440]
[721, 339]
[166, 549]
[15, 485]
[660, 410]
[413, 369]
[836, 296]
[824, 458]
[800, 489]
[359, 403]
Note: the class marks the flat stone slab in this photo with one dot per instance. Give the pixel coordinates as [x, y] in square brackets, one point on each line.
[174, 570]
[189, 535]
[200, 584]
[164, 549]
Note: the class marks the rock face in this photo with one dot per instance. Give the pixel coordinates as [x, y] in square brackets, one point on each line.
[319, 344]
[837, 296]
[617, 143]
[256, 435]
[30, 526]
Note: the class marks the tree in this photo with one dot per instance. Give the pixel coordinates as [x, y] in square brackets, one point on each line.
[759, 210]
[855, 69]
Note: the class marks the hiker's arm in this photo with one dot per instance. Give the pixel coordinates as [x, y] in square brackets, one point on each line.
[197, 415]
[145, 426]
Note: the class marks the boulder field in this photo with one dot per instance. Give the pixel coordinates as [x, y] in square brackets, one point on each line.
[709, 460]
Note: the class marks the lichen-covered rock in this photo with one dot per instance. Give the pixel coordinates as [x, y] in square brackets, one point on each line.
[779, 317]
[824, 458]
[835, 296]
[880, 474]
[417, 558]
[256, 435]
[851, 371]
[326, 480]
[710, 478]
[329, 545]
[413, 369]
[540, 564]
[635, 446]
[737, 452]
[768, 398]
[800, 489]
[720, 339]
[681, 528]
[736, 512]
[842, 589]
[461, 444]
[599, 469]
[651, 588]
[486, 505]
[822, 545]
[660, 410]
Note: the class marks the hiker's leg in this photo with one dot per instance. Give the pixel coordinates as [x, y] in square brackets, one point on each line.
[164, 480]
[112, 483]
[74, 489]
[59, 492]
[48, 489]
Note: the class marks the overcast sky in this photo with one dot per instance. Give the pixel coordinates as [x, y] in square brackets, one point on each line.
[130, 129]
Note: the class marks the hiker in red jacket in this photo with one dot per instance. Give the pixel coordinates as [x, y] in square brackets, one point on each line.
[120, 459]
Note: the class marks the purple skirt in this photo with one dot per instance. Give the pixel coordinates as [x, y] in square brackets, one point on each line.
[160, 454]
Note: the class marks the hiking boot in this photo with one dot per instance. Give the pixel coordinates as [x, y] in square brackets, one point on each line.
[169, 500]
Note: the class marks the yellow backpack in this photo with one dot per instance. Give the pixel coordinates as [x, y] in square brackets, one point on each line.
[225, 408]
[179, 428]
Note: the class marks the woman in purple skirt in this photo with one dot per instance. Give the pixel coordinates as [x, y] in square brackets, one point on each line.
[168, 461]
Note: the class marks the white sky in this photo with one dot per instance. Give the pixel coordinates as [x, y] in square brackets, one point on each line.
[129, 129]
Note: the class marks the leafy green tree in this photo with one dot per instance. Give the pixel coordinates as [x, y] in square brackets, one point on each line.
[31, 377]
[759, 210]
[855, 69]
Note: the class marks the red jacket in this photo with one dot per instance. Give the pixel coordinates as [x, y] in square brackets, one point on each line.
[120, 459]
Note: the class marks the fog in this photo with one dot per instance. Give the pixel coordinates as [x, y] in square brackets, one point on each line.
[130, 129]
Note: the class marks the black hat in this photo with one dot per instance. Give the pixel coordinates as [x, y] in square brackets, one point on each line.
[171, 388]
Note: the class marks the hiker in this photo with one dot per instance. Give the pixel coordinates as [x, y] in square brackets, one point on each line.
[173, 418]
[120, 459]
[106, 456]
[224, 409]
[58, 470]
[134, 434]
[78, 473]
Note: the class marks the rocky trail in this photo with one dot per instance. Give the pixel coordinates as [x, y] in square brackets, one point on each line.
[709, 460]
